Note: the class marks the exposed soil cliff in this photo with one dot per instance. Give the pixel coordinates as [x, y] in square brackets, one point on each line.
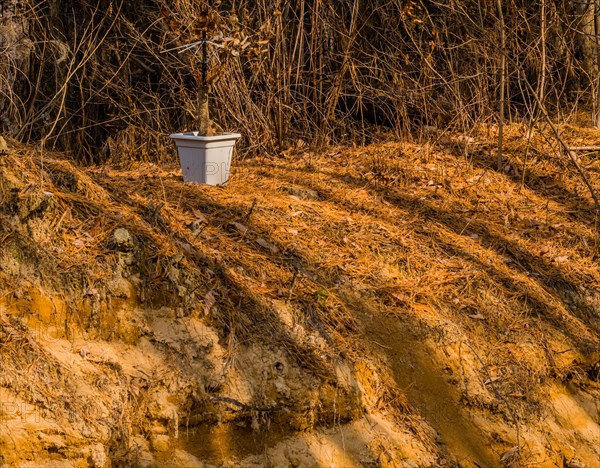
[399, 305]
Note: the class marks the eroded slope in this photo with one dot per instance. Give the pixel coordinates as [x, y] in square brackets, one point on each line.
[395, 305]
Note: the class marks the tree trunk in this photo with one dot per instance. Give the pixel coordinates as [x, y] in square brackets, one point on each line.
[584, 25]
[543, 31]
[586, 49]
[204, 124]
[15, 63]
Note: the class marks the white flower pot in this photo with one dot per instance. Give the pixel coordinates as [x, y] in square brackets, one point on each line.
[205, 159]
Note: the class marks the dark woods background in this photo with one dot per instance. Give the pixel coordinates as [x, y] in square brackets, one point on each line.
[93, 78]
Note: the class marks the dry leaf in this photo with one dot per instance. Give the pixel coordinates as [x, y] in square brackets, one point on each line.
[422, 307]
[209, 301]
[199, 216]
[400, 296]
[267, 245]
[492, 379]
[240, 228]
[511, 454]
[477, 316]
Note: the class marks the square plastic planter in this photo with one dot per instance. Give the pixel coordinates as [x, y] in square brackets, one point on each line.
[205, 159]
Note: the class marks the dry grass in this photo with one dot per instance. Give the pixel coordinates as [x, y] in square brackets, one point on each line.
[98, 81]
[429, 235]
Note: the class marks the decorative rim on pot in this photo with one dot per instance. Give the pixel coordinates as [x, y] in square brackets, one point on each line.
[195, 136]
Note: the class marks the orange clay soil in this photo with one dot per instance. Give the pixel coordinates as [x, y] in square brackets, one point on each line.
[395, 305]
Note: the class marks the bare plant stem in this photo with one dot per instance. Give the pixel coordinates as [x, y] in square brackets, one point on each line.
[527, 148]
[543, 52]
[572, 157]
[340, 70]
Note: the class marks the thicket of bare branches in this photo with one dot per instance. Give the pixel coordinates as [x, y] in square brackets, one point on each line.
[96, 78]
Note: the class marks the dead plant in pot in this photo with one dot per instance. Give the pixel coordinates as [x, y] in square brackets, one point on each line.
[216, 37]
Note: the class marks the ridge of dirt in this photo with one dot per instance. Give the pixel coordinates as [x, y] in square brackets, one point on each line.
[395, 305]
